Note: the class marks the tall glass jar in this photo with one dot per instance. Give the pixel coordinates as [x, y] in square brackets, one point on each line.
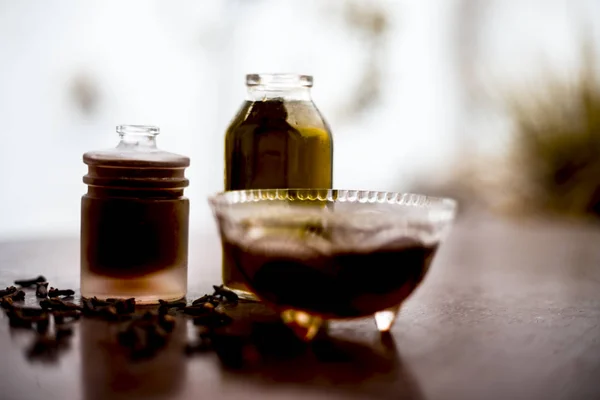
[134, 220]
[278, 139]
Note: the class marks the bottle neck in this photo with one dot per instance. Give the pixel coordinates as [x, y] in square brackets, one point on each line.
[258, 93]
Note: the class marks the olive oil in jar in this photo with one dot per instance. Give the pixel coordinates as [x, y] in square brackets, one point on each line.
[277, 140]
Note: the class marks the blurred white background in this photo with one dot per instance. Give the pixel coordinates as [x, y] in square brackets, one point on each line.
[402, 83]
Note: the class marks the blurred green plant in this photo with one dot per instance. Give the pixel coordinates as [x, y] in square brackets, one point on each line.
[556, 144]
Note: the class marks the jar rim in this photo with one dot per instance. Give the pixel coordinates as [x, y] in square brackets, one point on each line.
[143, 130]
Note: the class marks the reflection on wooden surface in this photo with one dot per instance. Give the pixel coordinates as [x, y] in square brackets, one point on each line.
[107, 370]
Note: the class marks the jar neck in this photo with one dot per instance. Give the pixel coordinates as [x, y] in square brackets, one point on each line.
[140, 137]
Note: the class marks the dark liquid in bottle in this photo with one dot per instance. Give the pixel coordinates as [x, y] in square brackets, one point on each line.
[346, 284]
[275, 144]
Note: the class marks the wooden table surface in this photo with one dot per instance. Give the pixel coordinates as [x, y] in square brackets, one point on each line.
[509, 310]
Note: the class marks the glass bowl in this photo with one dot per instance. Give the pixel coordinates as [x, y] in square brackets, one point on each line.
[324, 254]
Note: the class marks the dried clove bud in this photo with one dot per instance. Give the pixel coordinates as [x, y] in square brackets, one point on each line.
[7, 291]
[41, 290]
[167, 305]
[30, 282]
[125, 306]
[207, 298]
[19, 295]
[88, 307]
[9, 299]
[53, 292]
[225, 294]
[57, 304]
[96, 302]
[105, 310]
[48, 304]
[7, 303]
[173, 304]
[122, 307]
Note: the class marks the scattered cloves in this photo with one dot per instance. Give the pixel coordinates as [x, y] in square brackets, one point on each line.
[110, 309]
[144, 335]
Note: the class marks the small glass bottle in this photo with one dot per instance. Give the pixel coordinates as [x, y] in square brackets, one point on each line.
[134, 220]
[277, 140]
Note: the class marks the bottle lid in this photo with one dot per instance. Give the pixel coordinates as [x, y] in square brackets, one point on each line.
[136, 148]
[136, 162]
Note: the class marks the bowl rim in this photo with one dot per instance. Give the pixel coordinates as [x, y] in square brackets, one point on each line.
[232, 197]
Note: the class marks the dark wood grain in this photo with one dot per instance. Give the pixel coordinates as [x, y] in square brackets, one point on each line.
[508, 310]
